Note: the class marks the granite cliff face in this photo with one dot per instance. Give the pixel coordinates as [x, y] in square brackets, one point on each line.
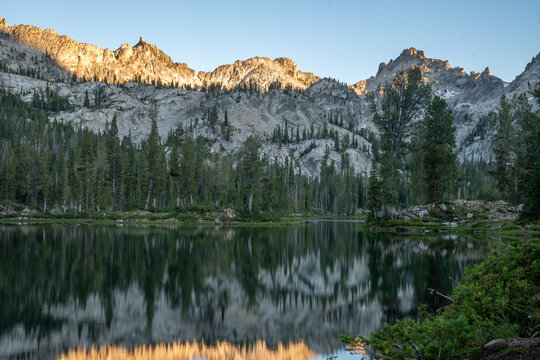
[260, 72]
[143, 62]
[146, 63]
[454, 84]
[254, 93]
[471, 96]
[526, 80]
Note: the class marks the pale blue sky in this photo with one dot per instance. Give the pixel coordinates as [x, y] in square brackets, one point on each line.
[342, 39]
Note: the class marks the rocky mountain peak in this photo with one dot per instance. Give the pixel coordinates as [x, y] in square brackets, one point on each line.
[528, 78]
[141, 42]
[146, 63]
[452, 83]
[412, 52]
[142, 63]
[3, 23]
[261, 72]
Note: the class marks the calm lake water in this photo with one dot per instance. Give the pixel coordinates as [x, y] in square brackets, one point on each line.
[64, 287]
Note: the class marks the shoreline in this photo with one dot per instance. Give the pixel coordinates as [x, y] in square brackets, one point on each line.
[161, 219]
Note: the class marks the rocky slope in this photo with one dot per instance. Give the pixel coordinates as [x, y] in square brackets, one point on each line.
[526, 80]
[454, 84]
[249, 113]
[260, 72]
[471, 96]
[249, 91]
[143, 62]
[146, 63]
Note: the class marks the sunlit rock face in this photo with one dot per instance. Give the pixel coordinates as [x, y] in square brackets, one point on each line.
[146, 63]
[260, 72]
[143, 62]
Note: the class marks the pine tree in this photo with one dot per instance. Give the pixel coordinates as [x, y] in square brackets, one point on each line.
[86, 99]
[174, 162]
[154, 166]
[402, 102]
[374, 193]
[213, 117]
[86, 168]
[251, 168]
[437, 161]
[502, 147]
[187, 168]
[529, 159]
[531, 208]
[114, 161]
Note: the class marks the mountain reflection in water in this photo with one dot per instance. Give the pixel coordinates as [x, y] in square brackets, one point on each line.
[64, 287]
[192, 350]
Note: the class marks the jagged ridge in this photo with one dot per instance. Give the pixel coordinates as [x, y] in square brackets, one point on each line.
[146, 63]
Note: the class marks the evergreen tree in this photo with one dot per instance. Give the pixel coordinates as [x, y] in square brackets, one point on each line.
[114, 161]
[529, 160]
[154, 166]
[502, 148]
[213, 117]
[174, 161]
[374, 193]
[435, 143]
[187, 168]
[402, 103]
[251, 168]
[86, 99]
[86, 168]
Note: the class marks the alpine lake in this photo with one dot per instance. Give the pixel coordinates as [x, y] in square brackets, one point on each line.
[214, 291]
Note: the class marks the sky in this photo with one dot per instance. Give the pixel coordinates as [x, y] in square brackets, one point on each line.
[345, 40]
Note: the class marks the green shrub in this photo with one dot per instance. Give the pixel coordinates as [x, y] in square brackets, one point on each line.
[496, 299]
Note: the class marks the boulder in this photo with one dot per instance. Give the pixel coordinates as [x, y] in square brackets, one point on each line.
[495, 345]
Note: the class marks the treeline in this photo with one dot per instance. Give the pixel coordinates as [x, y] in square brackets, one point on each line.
[417, 162]
[292, 135]
[516, 146]
[47, 164]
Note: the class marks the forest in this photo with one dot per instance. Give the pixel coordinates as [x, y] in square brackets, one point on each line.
[418, 161]
[48, 165]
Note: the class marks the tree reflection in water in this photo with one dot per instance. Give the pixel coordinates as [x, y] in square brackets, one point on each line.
[67, 286]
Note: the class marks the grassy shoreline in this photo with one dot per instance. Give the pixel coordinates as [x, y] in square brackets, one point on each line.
[507, 228]
[149, 218]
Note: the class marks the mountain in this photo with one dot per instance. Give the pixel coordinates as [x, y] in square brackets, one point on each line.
[471, 96]
[255, 93]
[143, 62]
[524, 81]
[280, 73]
[146, 63]
[452, 83]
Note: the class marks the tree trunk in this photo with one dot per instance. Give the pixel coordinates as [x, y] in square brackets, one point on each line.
[148, 196]
[113, 194]
[86, 200]
[177, 195]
